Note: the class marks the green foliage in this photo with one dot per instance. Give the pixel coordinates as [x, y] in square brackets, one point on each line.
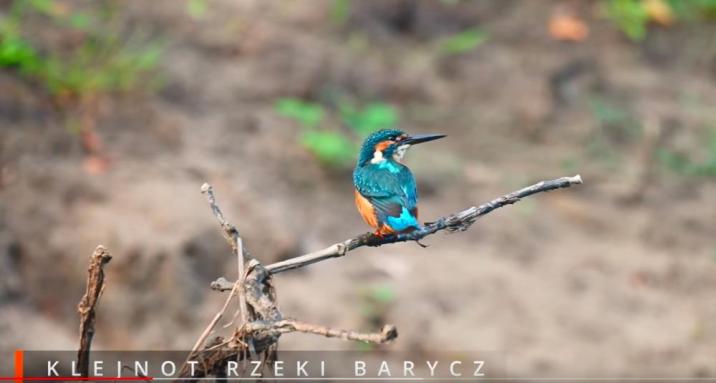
[102, 62]
[463, 42]
[634, 16]
[335, 147]
[685, 165]
[43, 6]
[630, 16]
[376, 300]
[340, 9]
[17, 53]
[370, 118]
[308, 114]
[196, 8]
[90, 70]
[693, 9]
[382, 294]
[330, 148]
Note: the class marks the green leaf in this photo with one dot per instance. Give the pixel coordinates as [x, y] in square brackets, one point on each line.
[148, 58]
[463, 42]
[308, 114]
[104, 62]
[331, 148]
[630, 16]
[15, 52]
[339, 11]
[369, 119]
[196, 8]
[383, 294]
[43, 6]
[79, 21]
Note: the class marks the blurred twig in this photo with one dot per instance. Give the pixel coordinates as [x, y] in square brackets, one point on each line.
[88, 303]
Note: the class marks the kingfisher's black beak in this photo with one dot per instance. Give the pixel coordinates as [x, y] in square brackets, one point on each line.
[420, 138]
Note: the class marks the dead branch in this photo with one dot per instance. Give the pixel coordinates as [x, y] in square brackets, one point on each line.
[243, 310]
[262, 321]
[460, 221]
[231, 234]
[386, 334]
[88, 303]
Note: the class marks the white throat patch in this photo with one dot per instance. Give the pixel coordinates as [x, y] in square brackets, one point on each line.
[377, 157]
[397, 155]
[400, 152]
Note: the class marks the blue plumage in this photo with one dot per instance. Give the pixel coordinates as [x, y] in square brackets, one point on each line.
[386, 193]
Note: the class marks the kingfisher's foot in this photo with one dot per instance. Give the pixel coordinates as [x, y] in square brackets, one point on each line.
[421, 244]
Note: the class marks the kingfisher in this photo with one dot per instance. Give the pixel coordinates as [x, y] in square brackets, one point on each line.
[385, 190]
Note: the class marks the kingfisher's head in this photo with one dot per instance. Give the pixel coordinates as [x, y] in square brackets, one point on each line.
[390, 144]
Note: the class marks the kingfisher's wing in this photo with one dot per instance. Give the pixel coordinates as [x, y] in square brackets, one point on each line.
[393, 194]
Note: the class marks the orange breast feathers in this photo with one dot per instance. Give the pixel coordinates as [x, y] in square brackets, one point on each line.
[367, 211]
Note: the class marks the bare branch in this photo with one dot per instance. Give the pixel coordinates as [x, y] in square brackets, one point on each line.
[386, 334]
[460, 221]
[222, 284]
[204, 334]
[88, 303]
[243, 310]
[209, 191]
[215, 355]
[214, 321]
[230, 232]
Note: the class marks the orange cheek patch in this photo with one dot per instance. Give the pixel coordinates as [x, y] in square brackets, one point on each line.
[382, 145]
[366, 210]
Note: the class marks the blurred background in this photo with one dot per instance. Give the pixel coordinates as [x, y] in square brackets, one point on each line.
[113, 113]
